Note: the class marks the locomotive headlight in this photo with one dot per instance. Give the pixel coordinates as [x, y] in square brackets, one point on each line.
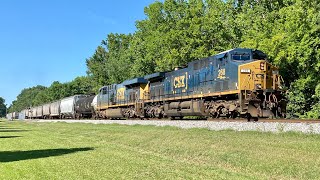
[262, 65]
[258, 86]
[245, 71]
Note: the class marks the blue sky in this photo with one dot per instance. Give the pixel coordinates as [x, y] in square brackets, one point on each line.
[46, 41]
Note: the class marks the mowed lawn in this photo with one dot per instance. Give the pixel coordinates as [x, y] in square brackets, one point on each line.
[87, 151]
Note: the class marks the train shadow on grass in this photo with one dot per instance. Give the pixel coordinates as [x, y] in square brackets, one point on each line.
[8, 137]
[11, 156]
[13, 130]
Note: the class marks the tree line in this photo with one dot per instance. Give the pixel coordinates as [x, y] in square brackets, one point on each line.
[176, 32]
[3, 107]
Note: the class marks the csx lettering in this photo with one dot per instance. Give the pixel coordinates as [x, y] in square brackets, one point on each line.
[179, 82]
[222, 73]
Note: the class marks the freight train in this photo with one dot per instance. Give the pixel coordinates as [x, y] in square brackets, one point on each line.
[75, 107]
[235, 83]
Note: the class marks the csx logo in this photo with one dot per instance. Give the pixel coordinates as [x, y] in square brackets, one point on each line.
[179, 82]
[222, 73]
[120, 93]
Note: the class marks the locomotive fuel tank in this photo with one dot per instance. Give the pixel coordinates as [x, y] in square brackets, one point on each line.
[185, 108]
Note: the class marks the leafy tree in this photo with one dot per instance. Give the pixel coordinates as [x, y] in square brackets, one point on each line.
[3, 107]
[97, 68]
[26, 99]
[80, 85]
[288, 31]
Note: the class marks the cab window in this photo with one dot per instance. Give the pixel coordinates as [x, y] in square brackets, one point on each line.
[104, 91]
[241, 56]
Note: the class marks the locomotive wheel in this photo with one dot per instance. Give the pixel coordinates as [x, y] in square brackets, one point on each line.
[249, 117]
[234, 114]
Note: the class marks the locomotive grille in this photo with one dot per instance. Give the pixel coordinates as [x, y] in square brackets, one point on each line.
[225, 85]
[218, 86]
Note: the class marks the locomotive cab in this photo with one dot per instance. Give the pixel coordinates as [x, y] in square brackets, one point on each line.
[260, 87]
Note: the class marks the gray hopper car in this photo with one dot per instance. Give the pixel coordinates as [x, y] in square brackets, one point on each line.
[46, 111]
[39, 111]
[33, 113]
[55, 109]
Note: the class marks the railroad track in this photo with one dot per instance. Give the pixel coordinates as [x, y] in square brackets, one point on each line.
[271, 120]
[220, 120]
[236, 120]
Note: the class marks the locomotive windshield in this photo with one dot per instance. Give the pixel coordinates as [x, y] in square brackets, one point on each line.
[257, 54]
[240, 56]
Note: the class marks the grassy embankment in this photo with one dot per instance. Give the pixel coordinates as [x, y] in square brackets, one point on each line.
[87, 151]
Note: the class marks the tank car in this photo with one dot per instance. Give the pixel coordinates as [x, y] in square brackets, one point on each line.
[67, 106]
[83, 107]
[94, 105]
[237, 82]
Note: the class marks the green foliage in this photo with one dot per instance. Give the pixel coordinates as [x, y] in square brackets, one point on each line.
[3, 107]
[26, 98]
[289, 32]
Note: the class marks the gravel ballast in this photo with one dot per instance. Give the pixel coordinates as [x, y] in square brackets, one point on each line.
[276, 127]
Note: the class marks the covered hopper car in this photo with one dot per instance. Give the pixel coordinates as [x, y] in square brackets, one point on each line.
[55, 109]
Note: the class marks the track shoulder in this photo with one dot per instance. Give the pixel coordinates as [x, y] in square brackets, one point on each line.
[261, 126]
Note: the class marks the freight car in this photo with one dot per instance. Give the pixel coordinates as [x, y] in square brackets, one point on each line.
[68, 106]
[46, 111]
[33, 113]
[9, 116]
[39, 112]
[235, 83]
[94, 106]
[55, 110]
[83, 107]
[78, 106]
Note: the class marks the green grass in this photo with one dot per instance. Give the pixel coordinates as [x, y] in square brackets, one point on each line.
[87, 151]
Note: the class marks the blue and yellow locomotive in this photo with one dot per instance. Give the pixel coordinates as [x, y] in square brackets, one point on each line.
[235, 83]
